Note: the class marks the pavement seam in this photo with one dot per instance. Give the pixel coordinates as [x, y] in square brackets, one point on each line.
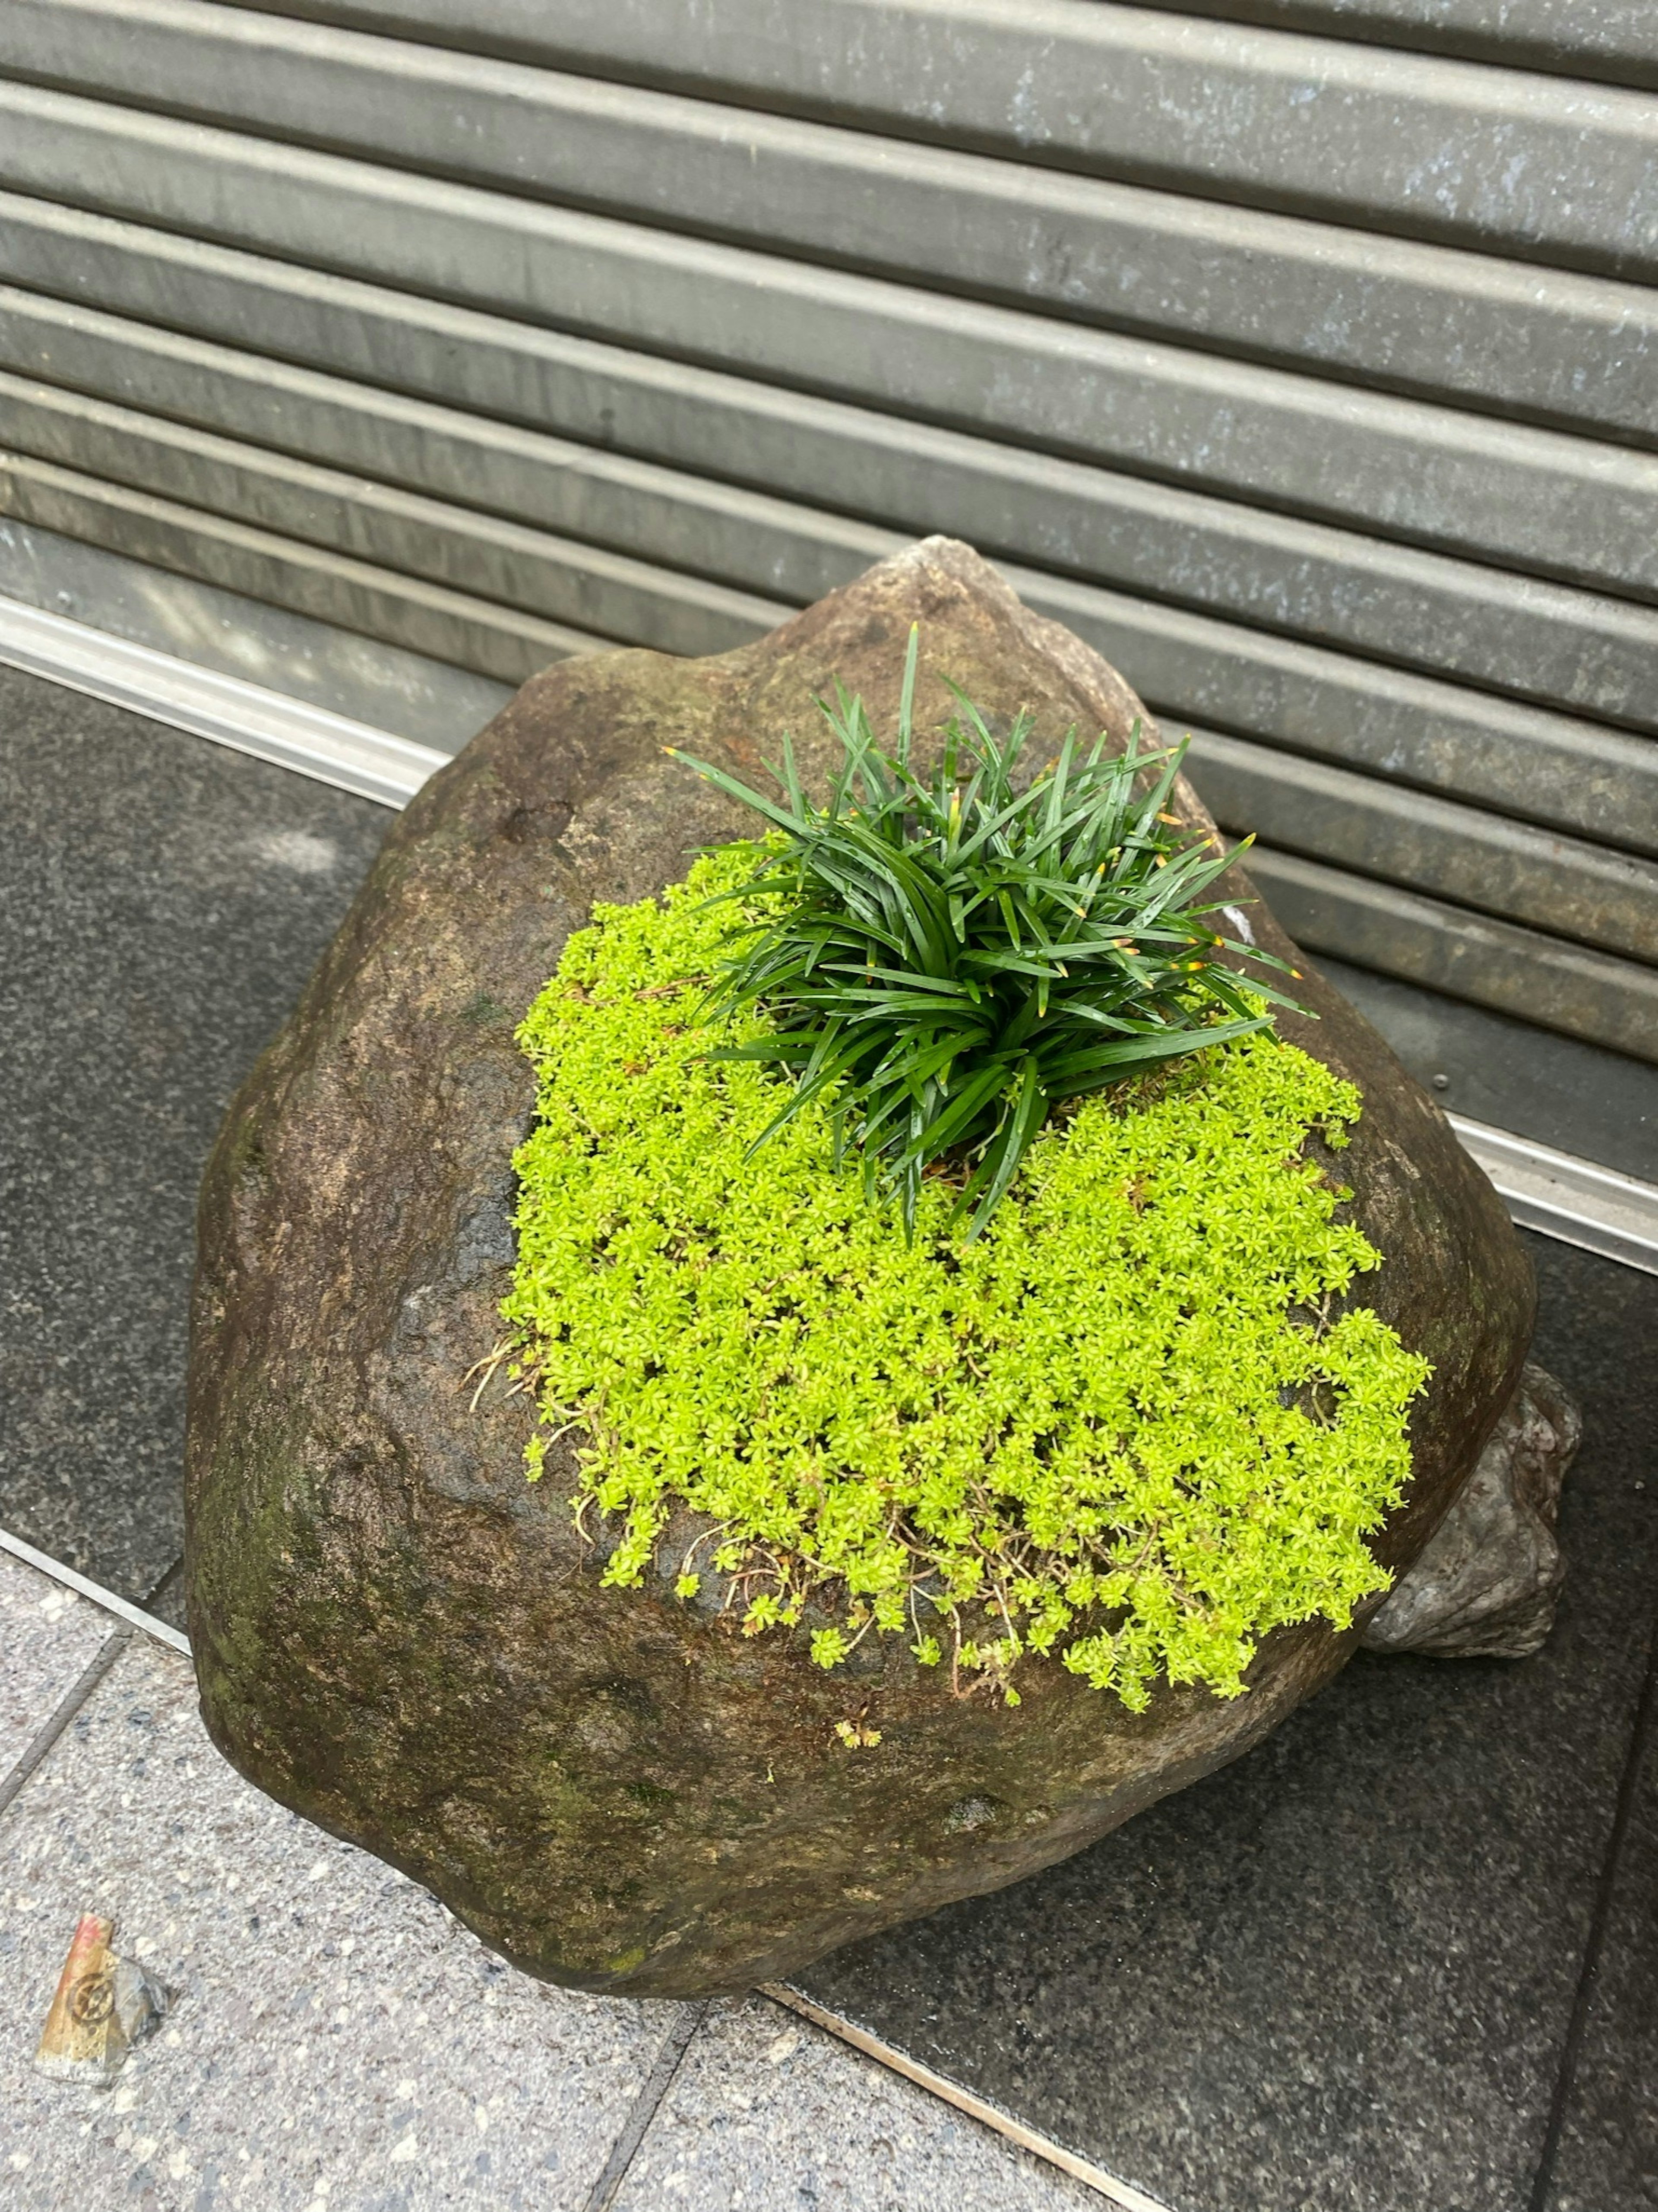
[646, 2105]
[1123, 2194]
[67, 1707]
[1641, 1739]
[111, 1601]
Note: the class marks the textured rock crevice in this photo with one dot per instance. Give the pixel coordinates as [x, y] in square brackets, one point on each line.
[398, 1637]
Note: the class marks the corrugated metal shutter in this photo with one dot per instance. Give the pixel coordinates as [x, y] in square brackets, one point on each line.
[1305, 357]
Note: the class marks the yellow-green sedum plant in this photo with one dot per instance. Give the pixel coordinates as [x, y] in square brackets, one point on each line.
[1123, 1427]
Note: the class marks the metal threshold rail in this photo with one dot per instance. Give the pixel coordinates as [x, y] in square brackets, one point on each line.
[1573, 1199]
[84, 1586]
[228, 709]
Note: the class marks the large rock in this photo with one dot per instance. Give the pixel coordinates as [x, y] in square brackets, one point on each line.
[396, 1636]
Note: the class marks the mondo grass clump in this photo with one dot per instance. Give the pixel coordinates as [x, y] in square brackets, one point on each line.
[944, 960]
[1130, 1426]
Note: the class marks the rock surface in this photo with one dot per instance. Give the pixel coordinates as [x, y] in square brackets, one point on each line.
[1486, 1584]
[396, 1636]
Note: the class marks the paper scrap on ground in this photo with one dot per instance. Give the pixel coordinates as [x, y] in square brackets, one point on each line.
[103, 2006]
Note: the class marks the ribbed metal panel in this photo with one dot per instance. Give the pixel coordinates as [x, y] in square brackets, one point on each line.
[1223, 109]
[1302, 356]
[1523, 497]
[1588, 652]
[1388, 310]
[501, 642]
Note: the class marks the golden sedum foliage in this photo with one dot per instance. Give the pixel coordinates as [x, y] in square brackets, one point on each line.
[1112, 1430]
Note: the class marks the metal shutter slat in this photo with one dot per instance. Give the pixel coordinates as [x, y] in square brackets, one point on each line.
[749, 44]
[601, 593]
[1616, 40]
[448, 625]
[1492, 333]
[1565, 885]
[1227, 111]
[1542, 641]
[1526, 498]
[1539, 978]
[1192, 667]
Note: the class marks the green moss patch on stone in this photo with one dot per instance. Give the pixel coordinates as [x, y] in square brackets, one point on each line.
[1125, 1428]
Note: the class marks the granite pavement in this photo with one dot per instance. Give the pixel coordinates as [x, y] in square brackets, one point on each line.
[336, 2042]
[162, 902]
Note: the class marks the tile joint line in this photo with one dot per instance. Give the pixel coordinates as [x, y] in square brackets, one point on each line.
[646, 2106]
[1123, 2194]
[84, 1586]
[39, 1747]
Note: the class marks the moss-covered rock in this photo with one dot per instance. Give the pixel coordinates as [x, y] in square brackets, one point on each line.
[398, 1634]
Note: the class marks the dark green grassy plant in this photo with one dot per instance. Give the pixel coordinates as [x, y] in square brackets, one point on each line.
[946, 959]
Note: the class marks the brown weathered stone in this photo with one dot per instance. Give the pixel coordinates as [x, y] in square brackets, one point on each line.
[1486, 1584]
[398, 1637]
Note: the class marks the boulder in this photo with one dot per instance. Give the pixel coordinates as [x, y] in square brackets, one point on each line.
[398, 1637]
[1486, 1584]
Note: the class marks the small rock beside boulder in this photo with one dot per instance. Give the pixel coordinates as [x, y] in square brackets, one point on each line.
[1488, 1580]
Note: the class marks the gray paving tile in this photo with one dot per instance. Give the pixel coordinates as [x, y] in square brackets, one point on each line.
[1606, 2158]
[162, 902]
[768, 2114]
[338, 2044]
[47, 1637]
